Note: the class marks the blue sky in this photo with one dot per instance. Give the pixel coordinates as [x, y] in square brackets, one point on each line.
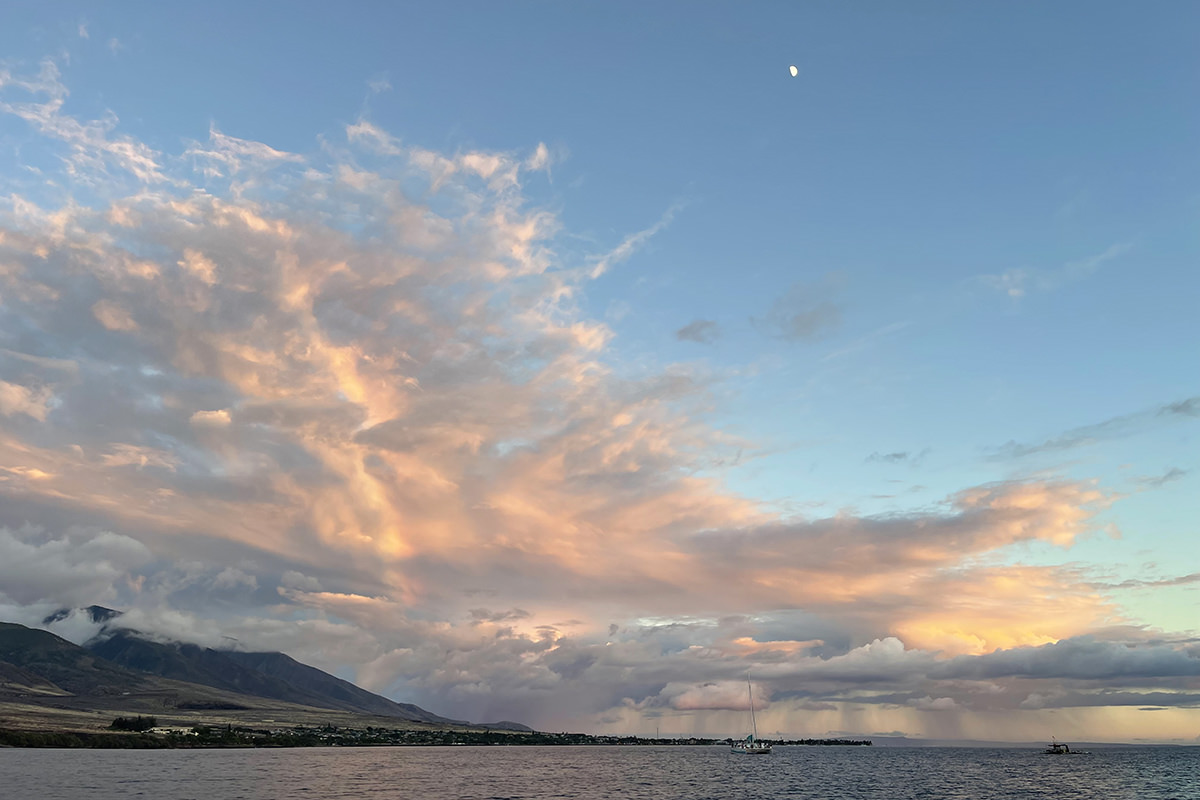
[950, 266]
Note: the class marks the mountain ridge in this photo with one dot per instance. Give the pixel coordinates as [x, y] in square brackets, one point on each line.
[66, 666]
[118, 660]
[310, 678]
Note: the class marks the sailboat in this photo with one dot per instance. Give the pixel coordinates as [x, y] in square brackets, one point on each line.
[751, 746]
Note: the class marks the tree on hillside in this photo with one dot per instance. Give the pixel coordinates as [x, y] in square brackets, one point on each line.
[138, 723]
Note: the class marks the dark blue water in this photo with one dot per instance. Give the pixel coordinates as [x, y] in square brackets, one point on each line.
[588, 773]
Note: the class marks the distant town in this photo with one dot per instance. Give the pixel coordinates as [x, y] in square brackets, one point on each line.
[142, 733]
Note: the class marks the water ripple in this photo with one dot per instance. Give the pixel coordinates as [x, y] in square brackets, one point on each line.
[597, 773]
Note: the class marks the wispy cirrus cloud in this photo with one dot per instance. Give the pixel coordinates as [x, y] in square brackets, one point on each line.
[1179, 580]
[1114, 427]
[93, 147]
[225, 155]
[631, 244]
[1171, 475]
[1018, 282]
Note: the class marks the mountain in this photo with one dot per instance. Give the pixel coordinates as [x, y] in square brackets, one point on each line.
[331, 689]
[97, 614]
[17, 681]
[120, 661]
[505, 725]
[195, 664]
[50, 684]
[66, 666]
[271, 675]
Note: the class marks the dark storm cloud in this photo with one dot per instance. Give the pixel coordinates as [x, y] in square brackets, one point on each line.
[1080, 658]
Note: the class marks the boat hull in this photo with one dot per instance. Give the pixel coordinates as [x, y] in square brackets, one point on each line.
[751, 747]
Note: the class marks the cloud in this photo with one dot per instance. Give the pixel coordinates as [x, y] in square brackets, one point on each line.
[1180, 580]
[232, 578]
[29, 400]
[928, 703]
[270, 367]
[702, 331]
[731, 695]
[903, 571]
[297, 580]
[345, 404]
[364, 132]
[113, 317]
[540, 160]
[92, 147]
[480, 615]
[803, 313]
[77, 568]
[1109, 699]
[226, 155]
[219, 418]
[1154, 482]
[631, 244]
[1080, 658]
[866, 342]
[1112, 428]
[1188, 408]
[898, 457]
[75, 626]
[1017, 282]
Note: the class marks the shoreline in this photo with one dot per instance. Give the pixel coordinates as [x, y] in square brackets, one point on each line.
[229, 736]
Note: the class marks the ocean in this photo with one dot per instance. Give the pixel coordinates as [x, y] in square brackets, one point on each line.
[590, 773]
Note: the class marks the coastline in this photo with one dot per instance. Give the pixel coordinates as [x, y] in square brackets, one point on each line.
[230, 736]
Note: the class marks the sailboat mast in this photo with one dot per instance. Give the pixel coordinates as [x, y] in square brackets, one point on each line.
[753, 722]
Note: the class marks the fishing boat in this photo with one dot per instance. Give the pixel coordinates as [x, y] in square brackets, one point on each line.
[1057, 748]
[751, 745]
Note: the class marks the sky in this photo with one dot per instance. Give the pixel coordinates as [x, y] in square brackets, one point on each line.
[573, 363]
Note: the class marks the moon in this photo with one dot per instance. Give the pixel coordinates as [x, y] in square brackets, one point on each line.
[792, 69]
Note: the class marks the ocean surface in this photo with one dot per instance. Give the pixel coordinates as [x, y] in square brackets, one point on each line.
[587, 773]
